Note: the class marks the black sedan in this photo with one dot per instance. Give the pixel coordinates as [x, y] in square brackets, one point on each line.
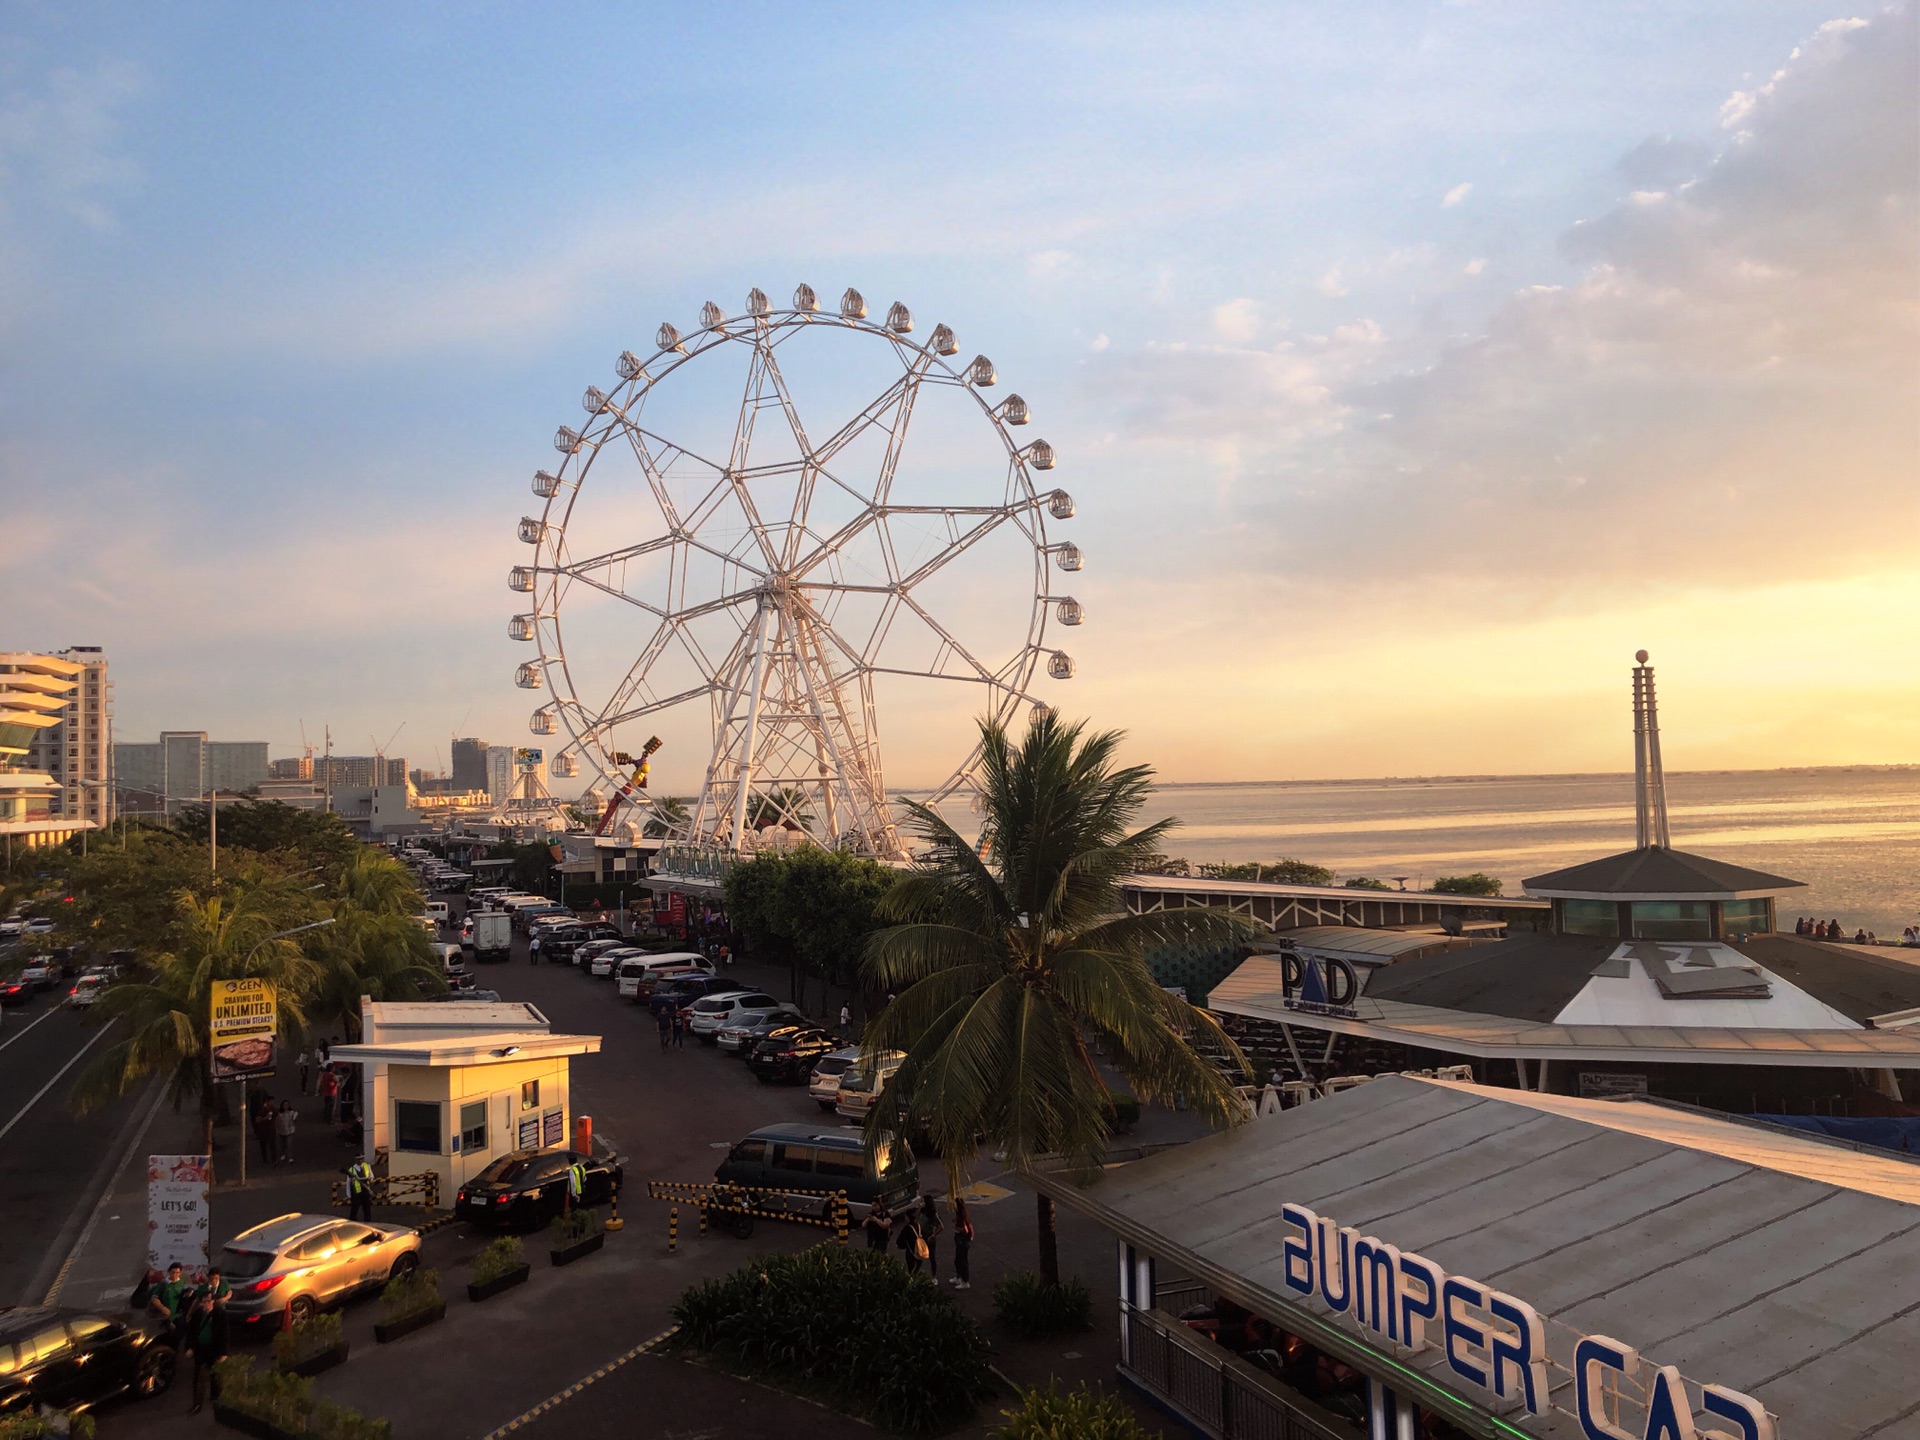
[528, 1188]
[788, 1053]
[74, 1359]
[16, 991]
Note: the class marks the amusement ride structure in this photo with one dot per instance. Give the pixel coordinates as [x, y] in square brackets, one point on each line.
[741, 535]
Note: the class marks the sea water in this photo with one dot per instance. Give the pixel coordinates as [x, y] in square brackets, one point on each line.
[1852, 835]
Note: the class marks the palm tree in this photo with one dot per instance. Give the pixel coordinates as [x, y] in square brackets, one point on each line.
[379, 884]
[165, 1019]
[666, 816]
[788, 806]
[379, 956]
[1012, 958]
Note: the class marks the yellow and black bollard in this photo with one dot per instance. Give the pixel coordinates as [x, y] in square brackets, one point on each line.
[673, 1228]
[703, 1220]
[840, 1217]
[614, 1222]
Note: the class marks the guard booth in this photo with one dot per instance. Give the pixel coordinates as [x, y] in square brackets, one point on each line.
[450, 1104]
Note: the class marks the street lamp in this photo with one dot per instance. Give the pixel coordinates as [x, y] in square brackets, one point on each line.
[277, 935]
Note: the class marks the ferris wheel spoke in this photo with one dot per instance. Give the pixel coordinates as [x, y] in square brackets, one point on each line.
[955, 549]
[947, 642]
[615, 557]
[636, 675]
[616, 593]
[608, 723]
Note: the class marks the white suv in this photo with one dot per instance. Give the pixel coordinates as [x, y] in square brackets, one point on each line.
[714, 1013]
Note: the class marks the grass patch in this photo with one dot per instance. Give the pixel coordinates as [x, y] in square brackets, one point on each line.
[1077, 1415]
[851, 1327]
[1030, 1310]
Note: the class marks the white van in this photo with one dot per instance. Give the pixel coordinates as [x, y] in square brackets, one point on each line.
[438, 910]
[861, 1085]
[638, 972]
[453, 964]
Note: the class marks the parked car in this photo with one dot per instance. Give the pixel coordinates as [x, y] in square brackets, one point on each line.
[603, 930]
[635, 976]
[823, 1083]
[861, 1085]
[300, 1263]
[750, 1027]
[38, 925]
[73, 1360]
[706, 1018]
[606, 963]
[558, 942]
[438, 911]
[680, 991]
[583, 954]
[807, 1164]
[788, 1053]
[16, 991]
[85, 991]
[527, 1188]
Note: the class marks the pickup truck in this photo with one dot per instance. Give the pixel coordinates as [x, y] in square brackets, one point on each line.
[492, 935]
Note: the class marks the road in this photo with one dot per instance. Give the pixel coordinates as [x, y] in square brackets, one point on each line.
[56, 1166]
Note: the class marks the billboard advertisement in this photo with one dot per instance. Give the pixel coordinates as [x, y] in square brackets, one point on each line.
[528, 757]
[245, 1017]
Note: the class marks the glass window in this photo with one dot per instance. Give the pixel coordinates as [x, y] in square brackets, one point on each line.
[244, 1264]
[753, 1152]
[93, 1327]
[473, 1127]
[840, 1164]
[1672, 920]
[416, 1126]
[1589, 917]
[49, 1344]
[530, 1095]
[792, 1157]
[1743, 917]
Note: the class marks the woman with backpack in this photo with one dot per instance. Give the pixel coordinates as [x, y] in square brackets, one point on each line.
[930, 1228]
[911, 1244]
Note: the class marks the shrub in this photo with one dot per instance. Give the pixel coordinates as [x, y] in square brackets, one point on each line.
[1123, 1110]
[313, 1336]
[409, 1294]
[340, 1422]
[574, 1226]
[852, 1325]
[501, 1257]
[39, 1425]
[278, 1398]
[1028, 1309]
[1478, 883]
[1078, 1415]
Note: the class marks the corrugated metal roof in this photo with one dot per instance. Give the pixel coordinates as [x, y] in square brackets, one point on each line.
[1656, 872]
[1743, 1260]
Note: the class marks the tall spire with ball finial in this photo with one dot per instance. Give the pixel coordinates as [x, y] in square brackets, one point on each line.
[1649, 779]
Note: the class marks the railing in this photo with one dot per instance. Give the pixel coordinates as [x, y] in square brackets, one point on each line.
[422, 1190]
[1215, 1388]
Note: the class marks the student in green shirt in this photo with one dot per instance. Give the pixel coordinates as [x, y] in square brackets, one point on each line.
[170, 1299]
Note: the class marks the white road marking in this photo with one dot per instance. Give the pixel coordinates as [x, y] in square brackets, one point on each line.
[99, 1035]
[22, 1035]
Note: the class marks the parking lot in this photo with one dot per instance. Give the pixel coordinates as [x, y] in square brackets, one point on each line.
[672, 1115]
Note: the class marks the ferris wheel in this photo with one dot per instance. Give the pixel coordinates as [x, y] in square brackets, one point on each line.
[742, 550]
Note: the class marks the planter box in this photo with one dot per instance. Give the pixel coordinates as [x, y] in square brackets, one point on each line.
[417, 1321]
[249, 1425]
[491, 1288]
[321, 1360]
[567, 1254]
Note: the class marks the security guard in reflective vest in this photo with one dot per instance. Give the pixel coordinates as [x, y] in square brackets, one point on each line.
[360, 1191]
[576, 1183]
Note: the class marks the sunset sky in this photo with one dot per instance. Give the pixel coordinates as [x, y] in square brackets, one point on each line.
[1411, 364]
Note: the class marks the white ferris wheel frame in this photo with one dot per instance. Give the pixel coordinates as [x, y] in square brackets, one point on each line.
[791, 700]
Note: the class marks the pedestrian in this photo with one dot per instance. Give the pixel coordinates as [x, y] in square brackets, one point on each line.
[206, 1335]
[329, 1088]
[962, 1245]
[264, 1131]
[666, 1027]
[726, 957]
[306, 1065]
[360, 1190]
[908, 1241]
[878, 1225]
[283, 1124]
[326, 1052]
[168, 1301]
[679, 1028]
[930, 1228]
[846, 1021]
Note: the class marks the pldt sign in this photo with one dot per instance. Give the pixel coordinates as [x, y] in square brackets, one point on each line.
[1318, 985]
[1492, 1340]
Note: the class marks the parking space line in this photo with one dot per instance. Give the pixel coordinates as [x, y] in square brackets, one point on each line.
[574, 1389]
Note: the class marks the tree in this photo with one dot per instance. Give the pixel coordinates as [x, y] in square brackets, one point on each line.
[788, 807]
[666, 817]
[270, 825]
[165, 1020]
[1012, 959]
[1364, 882]
[380, 957]
[1478, 883]
[814, 908]
[1280, 872]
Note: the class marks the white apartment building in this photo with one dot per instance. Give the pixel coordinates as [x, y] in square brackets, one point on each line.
[78, 751]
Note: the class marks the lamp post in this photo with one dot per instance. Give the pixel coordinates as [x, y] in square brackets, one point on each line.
[279, 935]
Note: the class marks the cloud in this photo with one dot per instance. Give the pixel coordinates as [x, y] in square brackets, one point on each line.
[59, 142]
[1473, 267]
[1457, 194]
[1237, 320]
[1725, 387]
[1331, 285]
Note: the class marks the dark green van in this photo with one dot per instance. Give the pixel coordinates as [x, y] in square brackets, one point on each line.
[804, 1160]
